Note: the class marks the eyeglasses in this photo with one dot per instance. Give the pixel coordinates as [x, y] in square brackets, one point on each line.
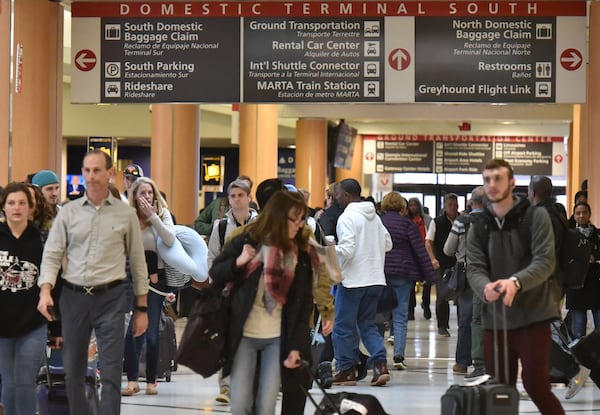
[299, 221]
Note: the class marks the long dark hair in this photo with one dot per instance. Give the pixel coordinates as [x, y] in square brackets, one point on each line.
[42, 214]
[271, 226]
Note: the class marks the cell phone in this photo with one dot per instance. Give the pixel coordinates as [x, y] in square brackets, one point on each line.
[52, 312]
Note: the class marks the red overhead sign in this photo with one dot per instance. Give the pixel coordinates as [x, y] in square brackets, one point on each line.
[331, 9]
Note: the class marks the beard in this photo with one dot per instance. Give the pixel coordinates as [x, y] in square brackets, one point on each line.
[502, 196]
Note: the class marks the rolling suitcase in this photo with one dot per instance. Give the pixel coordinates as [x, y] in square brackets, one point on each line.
[489, 399]
[51, 391]
[167, 348]
[343, 402]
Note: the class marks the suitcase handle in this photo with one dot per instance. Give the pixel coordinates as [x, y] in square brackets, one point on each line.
[306, 366]
[504, 343]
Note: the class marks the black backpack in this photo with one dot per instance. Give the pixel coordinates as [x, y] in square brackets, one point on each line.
[574, 258]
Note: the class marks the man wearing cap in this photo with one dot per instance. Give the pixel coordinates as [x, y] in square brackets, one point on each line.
[130, 175]
[215, 211]
[49, 184]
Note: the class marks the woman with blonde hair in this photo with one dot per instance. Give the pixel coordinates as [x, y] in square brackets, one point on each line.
[155, 221]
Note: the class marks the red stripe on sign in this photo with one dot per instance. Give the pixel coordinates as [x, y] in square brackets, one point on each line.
[331, 9]
[464, 138]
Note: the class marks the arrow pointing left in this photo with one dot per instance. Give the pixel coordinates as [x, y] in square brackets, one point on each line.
[85, 60]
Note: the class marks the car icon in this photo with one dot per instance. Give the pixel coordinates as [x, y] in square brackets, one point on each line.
[543, 89]
[374, 29]
[112, 89]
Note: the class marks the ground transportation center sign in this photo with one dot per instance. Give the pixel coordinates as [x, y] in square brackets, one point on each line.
[373, 52]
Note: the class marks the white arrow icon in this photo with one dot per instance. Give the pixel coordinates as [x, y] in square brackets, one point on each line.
[574, 60]
[85, 60]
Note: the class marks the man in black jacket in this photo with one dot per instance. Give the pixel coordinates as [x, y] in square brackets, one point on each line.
[438, 232]
[563, 366]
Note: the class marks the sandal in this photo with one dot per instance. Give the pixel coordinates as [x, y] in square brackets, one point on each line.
[152, 389]
[130, 391]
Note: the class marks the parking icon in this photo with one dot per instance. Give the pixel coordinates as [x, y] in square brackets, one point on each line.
[112, 69]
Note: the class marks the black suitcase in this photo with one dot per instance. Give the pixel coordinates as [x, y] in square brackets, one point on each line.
[587, 352]
[342, 402]
[167, 349]
[488, 399]
[51, 391]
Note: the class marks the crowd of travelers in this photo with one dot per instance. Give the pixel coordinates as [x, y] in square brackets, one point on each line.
[91, 278]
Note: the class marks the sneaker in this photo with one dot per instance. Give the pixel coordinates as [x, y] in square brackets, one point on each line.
[399, 363]
[426, 312]
[362, 367]
[476, 377]
[390, 340]
[477, 372]
[224, 395]
[152, 389]
[480, 380]
[459, 369]
[443, 332]
[381, 376]
[325, 375]
[577, 382]
[346, 377]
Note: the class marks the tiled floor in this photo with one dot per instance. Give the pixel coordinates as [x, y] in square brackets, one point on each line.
[415, 391]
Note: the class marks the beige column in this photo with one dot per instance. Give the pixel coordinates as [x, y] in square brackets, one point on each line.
[311, 158]
[593, 113]
[355, 171]
[31, 113]
[258, 142]
[175, 157]
[576, 150]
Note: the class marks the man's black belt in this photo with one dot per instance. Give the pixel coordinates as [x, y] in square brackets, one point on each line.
[92, 289]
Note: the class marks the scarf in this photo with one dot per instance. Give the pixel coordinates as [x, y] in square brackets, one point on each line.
[586, 229]
[279, 271]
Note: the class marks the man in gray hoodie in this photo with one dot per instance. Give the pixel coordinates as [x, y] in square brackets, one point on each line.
[515, 267]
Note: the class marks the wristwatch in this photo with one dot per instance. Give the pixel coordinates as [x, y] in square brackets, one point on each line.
[517, 282]
[141, 308]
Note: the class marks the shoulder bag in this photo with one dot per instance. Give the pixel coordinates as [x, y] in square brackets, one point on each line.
[203, 345]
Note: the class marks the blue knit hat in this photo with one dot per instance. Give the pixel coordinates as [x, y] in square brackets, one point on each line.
[44, 178]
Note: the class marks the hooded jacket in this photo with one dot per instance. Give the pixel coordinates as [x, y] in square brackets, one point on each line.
[500, 252]
[362, 244]
[20, 264]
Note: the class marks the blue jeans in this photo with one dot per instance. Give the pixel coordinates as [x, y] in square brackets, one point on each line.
[133, 345]
[242, 377]
[400, 313]
[20, 361]
[465, 316]
[579, 318]
[355, 309]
